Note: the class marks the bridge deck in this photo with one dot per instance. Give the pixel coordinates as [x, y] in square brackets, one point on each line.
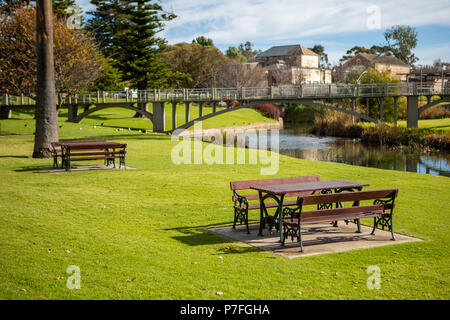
[279, 93]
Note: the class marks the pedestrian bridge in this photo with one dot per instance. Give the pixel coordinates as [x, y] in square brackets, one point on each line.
[329, 96]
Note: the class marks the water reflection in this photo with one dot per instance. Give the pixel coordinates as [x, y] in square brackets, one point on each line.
[295, 144]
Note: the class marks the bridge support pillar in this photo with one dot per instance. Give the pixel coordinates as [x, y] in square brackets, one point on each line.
[200, 109]
[395, 110]
[174, 115]
[412, 110]
[214, 106]
[72, 113]
[5, 113]
[143, 106]
[158, 117]
[381, 109]
[353, 109]
[187, 111]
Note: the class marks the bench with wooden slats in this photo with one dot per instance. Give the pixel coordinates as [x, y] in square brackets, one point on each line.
[92, 150]
[57, 153]
[381, 210]
[242, 201]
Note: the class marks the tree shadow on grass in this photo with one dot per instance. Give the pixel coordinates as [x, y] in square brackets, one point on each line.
[148, 136]
[34, 169]
[234, 249]
[200, 235]
[19, 157]
[123, 127]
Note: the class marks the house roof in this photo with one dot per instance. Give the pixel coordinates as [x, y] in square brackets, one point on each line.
[382, 59]
[280, 51]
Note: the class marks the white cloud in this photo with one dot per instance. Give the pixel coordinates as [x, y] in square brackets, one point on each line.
[428, 54]
[272, 22]
[239, 20]
[84, 4]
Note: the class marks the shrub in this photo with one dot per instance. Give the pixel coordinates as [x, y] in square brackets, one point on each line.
[269, 110]
[340, 125]
[437, 112]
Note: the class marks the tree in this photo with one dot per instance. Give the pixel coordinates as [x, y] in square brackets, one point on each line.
[193, 65]
[355, 50]
[106, 23]
[238, 75]
[9, 6]
[282, 74]
[76, 60]
[323, 57]
[46, 113]
[236, 55]
[246, 50]
[372, 77]
[401, 40]
[61, 7]
[203, 41]
[110, 78]
[437, 67]
[139, 57]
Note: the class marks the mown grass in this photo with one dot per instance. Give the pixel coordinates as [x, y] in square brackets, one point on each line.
[435, 124]
[119, 118]
[143, 234]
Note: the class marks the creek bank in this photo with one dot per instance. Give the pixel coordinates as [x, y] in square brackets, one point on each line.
[392, 136]
[255, 126]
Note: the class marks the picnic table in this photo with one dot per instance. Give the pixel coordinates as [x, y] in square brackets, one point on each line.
[277, 192]
[91, 150]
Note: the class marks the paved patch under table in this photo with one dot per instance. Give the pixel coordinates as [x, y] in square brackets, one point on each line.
[317, 239]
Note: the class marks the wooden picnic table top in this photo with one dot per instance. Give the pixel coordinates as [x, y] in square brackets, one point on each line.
[279, 189]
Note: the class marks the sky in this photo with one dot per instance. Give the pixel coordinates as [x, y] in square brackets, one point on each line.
[337, 25]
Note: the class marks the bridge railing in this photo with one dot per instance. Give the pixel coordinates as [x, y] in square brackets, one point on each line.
[308, 91]
[7, 99]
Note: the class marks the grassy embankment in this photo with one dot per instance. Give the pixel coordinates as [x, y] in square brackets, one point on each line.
[142, 234]
[119, 118]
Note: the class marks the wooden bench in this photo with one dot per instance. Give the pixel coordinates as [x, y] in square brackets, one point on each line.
[242, 201]
[92, 150]
[57, 153]
[381, 209]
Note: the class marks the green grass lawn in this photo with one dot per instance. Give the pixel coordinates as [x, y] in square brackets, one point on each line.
[142, 234]
[119, 118]
[436, 124]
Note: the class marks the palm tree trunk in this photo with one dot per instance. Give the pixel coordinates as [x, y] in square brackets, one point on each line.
[46, 113]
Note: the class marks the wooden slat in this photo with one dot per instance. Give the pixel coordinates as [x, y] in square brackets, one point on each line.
[255, 196]
[313, 220]
[59, 143]
[72, 154]
[307, 186]
[343, 211]
[242, 185]
[94, 158]
[268, 205]
[96, 146]
[349, 196]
